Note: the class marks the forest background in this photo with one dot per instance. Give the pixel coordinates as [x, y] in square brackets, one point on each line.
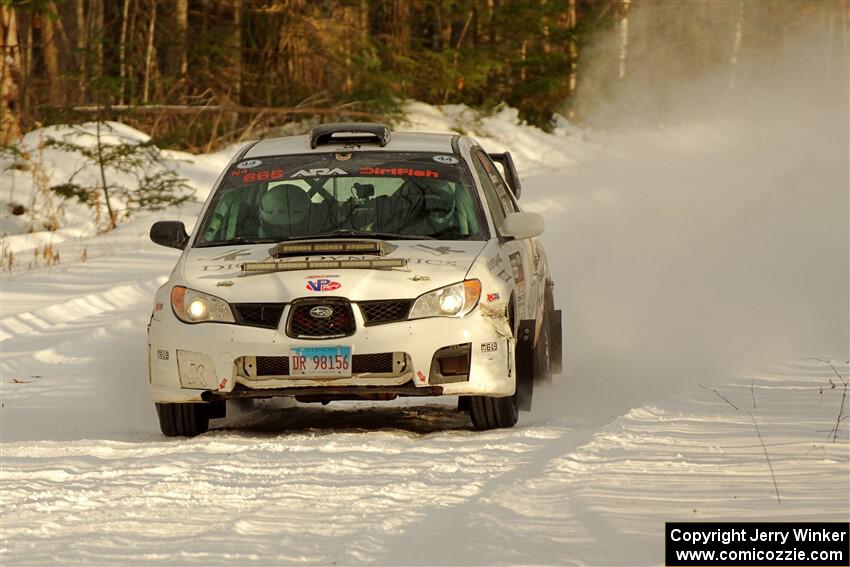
[198, 74]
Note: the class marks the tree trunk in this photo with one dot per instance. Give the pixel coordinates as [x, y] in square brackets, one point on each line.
[50, 52]
[122, 51]
[181, 17]
[572, 52]
[624, 38]
[10, 76]
[236, 95]
[82, 47]
[736, 46]
[149, 53]
[104, 184]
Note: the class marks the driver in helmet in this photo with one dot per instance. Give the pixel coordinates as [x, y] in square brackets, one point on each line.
[284, 211]
[429, 208]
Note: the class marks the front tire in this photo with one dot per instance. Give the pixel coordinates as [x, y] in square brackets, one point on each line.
[186, 420]
[491, 413]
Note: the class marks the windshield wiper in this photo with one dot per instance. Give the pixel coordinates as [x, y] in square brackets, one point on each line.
[365, 234]
[238, 240]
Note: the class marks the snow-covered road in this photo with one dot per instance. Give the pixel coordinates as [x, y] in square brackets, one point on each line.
[87, 477]
[703, 277]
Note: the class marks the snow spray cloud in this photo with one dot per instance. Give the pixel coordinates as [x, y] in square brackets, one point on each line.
[714, 239]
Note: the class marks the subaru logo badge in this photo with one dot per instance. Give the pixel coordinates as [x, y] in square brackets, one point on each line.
[321, 312]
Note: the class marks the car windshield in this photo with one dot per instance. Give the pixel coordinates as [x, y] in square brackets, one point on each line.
[386, 194]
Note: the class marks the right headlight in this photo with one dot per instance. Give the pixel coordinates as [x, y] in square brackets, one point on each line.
[192, 306]
[456, 300]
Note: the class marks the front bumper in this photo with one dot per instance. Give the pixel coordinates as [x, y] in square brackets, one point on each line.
[210, 361]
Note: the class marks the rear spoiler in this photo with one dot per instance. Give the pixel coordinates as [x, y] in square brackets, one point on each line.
[511, 175]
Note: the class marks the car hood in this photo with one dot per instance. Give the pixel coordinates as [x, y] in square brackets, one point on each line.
[430, 264]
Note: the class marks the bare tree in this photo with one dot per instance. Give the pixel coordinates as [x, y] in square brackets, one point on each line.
[50, 52]
[10, 76]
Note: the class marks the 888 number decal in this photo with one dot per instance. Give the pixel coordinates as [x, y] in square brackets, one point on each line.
[252, 176]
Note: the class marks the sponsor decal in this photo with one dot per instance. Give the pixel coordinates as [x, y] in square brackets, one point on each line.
[223, 384]
[491, 297]
[492, 346]
[224, 283]
[438, 250]
[497, 267]
[319, 172]
[321, 312]
[249, 163]
[449, 160]
[343, 156]
[420, 376]
[266, 175]
[157, 307]
[519, 279]
[323, 284]
[162, 354]
[398, 172]
[231, 255]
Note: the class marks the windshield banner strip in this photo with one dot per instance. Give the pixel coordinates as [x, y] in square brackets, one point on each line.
[286, 265]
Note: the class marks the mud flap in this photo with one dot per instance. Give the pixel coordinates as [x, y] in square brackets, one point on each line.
[556, 344]
[525, 363]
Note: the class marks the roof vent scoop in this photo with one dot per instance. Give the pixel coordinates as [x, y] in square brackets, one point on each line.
[349, 133]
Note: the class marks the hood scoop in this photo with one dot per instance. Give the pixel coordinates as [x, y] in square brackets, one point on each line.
[332, 248]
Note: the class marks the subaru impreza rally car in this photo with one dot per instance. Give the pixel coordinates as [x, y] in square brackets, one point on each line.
[355, 264]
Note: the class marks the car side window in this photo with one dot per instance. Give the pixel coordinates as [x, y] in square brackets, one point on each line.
[502, 191]
[491, 195]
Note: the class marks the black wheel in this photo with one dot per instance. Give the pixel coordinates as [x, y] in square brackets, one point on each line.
[492, 413]
[543, 352]
[183, 419]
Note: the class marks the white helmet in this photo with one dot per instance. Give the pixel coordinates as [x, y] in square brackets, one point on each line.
[282, 207]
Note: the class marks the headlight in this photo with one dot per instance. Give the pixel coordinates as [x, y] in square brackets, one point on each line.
[192, 306]
[456, 300]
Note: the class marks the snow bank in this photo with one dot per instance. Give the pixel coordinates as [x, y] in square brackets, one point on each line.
[26, 182]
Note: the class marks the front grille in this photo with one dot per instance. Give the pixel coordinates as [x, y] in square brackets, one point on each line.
[272, 366]
[258, 314]
[381, 362]
[360, 363]
[377, 312]
[303, 324]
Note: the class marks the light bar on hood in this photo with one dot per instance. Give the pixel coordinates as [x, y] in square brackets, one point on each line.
[290, 266]
[329, 247]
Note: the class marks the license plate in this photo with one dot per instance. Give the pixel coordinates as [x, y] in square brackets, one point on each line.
[320, 361]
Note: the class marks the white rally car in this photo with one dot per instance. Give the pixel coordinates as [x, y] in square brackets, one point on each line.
[355, 264]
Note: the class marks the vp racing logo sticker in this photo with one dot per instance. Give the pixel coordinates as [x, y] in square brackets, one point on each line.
[323, 284]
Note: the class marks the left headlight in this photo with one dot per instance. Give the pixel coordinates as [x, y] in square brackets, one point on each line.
[192, 306]
[455, 300]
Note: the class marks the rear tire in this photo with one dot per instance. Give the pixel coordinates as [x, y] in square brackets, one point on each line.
[185, 420]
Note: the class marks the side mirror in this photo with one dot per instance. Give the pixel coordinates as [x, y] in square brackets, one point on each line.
[521, 226]
[511, 175]
[169, 233]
